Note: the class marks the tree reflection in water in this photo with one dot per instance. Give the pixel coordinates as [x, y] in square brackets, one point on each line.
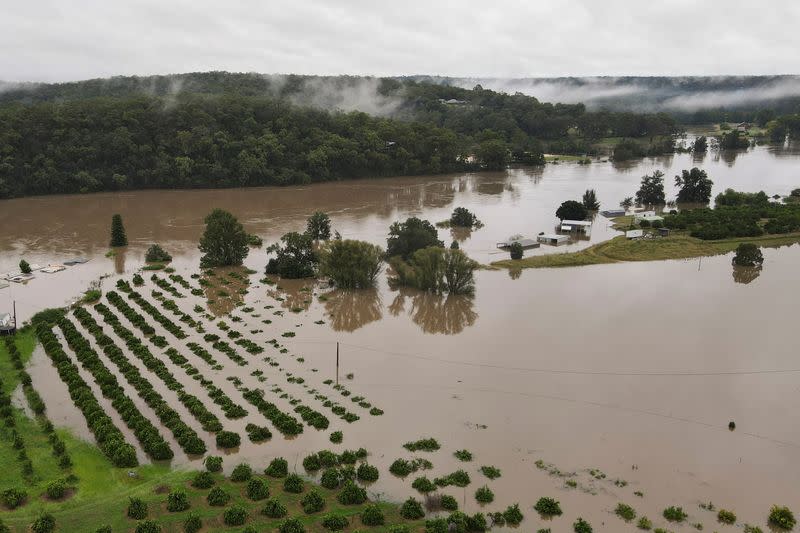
[349, 310]
[436, 313]
[119, 260]
[293, 294]
[745, 274]
[224, 288]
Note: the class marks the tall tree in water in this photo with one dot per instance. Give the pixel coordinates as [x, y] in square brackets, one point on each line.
[118, 237]
[590, 201]
[651, 191]
[224, 242]
[695, 186]
[319, 226]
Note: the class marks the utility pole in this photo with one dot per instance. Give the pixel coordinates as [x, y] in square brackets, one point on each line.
[14, 304]
[337, 362]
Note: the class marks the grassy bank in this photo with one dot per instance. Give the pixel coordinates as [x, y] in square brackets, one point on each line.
[620, 249]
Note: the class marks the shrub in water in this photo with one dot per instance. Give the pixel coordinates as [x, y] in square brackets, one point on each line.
[56, 489]
[203, 480]
[367, 472]
[311, 462]
[312, 502]
[625, 511]
[401, 468]
[213, 463]
[423, 484]
[674, 514]
[177, 501]
[330, 479]
[291, 525]
[490, 471]
[548, 507]
[411, 509]
[334, 522]
[336, 437]
[327, 458]
[193, 523]
[293, 483]
[257, 489]
[137, 509]
[781, 517]
[235, 515]
[274, 509]
[425, 445]
[278, 467]
[582, 526]
[352, 494]
[516, 251]
[726, 517]
[217, 497]
[459, 478]
[644, 523]
[448, 503]
[372, 516]
[484, 495]
[242, 472]
[513, 516]
[228, 439]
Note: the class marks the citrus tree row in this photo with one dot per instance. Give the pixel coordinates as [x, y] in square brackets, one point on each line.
[109, 438]
[207, 419]
[152, 441]
[283, 422]
[187, 438]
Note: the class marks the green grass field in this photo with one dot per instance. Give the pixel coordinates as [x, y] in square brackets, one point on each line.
[103, 491]
[619, 249]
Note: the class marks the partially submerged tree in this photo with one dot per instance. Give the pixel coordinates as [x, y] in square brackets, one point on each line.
[626, 203]
[571, 210]
[695, 186]
[748, 254]
[700, 145]
[464, 218]
[651, 190]
[118, 237]
[436, 269]
[590, 201]
[295, 258]
[493, 154]
[516, 250]
[156, 254]
[224, 242]
[351, 264]
[24, 267]
[407, 237]
[318, 226]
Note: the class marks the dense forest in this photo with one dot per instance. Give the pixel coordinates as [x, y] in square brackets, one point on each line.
[221, 130]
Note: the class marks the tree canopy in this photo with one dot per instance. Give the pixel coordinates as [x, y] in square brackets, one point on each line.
[695, 186]
[294, 256]
[318, 226]
[224, 242]
[118, 237]
[407, 237]
[351, 264]
[572, 210]
[651, 190]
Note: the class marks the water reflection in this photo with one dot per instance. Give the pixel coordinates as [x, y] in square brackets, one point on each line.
[224, 288]
[349, 310]
[293, 294]
[745, 274]
[514, 273]
[119, 260]
[436, 313]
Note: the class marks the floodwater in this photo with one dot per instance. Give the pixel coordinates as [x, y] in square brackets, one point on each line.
[632, 369]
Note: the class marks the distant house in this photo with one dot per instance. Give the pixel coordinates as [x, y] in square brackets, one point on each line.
[452, 101]
[7, 326]
[612, 213]
[575, 225]
[553, 238]
[634, 234]
[650, 216]
[743, 126]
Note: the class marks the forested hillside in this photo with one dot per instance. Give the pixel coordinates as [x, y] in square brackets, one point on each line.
[225, 130]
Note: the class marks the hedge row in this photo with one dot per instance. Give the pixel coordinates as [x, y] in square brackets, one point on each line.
[229, 407]
[17, 442]
[313, 418]
[146, 433]
[151, 310]
[187, 438]
[208, 420]
[165, 285]
[203, 354]
[130, 313]
[108, 436]
[285, 423]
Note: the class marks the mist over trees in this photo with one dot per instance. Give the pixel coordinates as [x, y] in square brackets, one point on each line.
[229, 130]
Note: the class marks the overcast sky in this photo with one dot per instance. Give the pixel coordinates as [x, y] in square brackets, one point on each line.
[58, 40]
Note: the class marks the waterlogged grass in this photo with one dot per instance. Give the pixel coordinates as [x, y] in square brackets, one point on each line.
[619, 249]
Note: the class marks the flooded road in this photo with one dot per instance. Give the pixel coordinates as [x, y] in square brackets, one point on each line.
[631, 369]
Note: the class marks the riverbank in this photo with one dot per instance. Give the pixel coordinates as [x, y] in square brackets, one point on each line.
[619, 250]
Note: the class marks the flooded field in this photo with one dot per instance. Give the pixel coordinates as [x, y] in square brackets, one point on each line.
[622, 378]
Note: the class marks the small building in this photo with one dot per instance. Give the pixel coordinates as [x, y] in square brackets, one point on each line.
[576, 225]
[7, 325]
[21, 278]
[52, 269]
[663, 232]
[650, 216]
[525, 243]
[553, 239]
[743, 126]
[613, 213]
[75, 261]
[634, 234]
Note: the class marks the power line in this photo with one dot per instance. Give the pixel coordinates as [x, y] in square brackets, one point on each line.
[560, 371]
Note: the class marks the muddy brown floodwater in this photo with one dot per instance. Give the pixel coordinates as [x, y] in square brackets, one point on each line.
[633, 370]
